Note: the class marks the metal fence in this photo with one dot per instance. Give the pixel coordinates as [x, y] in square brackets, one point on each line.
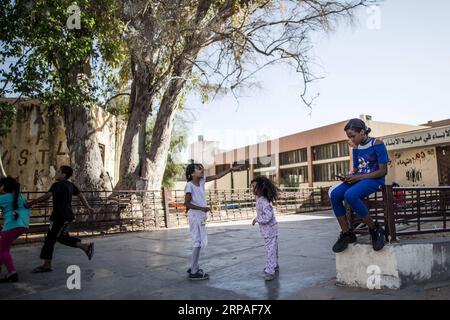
[136, 210]
[402, 210]
[230, 205]
[408, 210]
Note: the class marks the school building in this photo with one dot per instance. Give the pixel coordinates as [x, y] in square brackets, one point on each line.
[420, 157]
[312, 158]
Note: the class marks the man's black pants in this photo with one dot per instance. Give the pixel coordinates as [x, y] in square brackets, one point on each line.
[57, 231]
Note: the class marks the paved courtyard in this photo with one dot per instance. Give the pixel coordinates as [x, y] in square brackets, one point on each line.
[152, 265]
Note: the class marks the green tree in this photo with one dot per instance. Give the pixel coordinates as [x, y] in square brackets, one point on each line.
[7, 114]
[67, 55]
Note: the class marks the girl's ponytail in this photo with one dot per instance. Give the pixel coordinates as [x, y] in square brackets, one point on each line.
[16, 194]
[10, 185]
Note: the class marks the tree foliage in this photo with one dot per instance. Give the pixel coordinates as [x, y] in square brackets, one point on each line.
[44, 54]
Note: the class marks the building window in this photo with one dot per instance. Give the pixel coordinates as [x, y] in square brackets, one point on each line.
[295, 156]
[264, 162]
[269, 174]
[330, 151]
[327, 171]
[292, 177]
[244, 166]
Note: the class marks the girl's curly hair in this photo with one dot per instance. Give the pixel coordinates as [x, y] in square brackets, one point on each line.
[262, 185]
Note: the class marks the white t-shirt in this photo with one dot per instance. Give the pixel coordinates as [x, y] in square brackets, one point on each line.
[197, 192]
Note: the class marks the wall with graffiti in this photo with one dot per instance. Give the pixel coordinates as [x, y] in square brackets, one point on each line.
[36, 145]
[413, 167]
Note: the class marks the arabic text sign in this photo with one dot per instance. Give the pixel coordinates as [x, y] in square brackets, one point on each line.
[418, 139]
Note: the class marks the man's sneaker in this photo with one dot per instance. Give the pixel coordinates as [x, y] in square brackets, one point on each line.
[344, 239]
[377, 236]
[198, 276]
[268, 276]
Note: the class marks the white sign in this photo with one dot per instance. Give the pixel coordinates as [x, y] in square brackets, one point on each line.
[74, 280]
[418, 139]
[374, 277]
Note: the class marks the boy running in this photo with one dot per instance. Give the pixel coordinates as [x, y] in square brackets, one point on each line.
[61, 193]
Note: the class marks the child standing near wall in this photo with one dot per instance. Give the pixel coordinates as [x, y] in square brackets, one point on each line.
[195, 201]
[266, 192]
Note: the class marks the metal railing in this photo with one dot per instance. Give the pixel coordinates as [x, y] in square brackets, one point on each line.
[239, 204]
[408, 210]
[137, 210]
[402, 210]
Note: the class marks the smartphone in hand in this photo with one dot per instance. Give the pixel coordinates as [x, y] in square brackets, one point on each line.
[342, 178]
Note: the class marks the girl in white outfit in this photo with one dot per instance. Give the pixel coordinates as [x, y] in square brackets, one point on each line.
[195, 201]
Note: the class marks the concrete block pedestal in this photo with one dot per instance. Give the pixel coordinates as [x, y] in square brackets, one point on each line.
[397, 265]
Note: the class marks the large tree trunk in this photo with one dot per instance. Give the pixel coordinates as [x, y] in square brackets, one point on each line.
[140, 169]
[156, 162]
[85, 155]
[84, 150]
[133, 149]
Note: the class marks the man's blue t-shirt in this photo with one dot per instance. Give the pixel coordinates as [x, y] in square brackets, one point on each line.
[367, 157]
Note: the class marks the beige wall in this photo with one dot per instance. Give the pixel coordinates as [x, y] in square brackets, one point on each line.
[36, 145]
[224, 183]
[413, 167]
[240, 179]
[387, 128]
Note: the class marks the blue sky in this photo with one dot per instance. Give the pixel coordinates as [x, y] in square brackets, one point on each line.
[397, 73]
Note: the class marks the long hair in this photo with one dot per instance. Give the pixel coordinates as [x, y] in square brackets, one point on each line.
[262, 185]
[10, 185]
[357, 125]
[190, 169]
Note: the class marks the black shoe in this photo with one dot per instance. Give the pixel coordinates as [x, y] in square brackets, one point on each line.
[12, 278]
[377, 236]
[198, 276]
[343, 241]
[90, 251]
[189, 270]
[41, 269]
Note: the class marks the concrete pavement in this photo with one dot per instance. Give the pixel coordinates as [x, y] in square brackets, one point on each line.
[152, 265]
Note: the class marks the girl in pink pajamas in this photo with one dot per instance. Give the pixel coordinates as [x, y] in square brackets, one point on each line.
[266, 193]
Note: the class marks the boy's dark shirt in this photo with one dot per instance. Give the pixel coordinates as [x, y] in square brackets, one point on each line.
[62, 192]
